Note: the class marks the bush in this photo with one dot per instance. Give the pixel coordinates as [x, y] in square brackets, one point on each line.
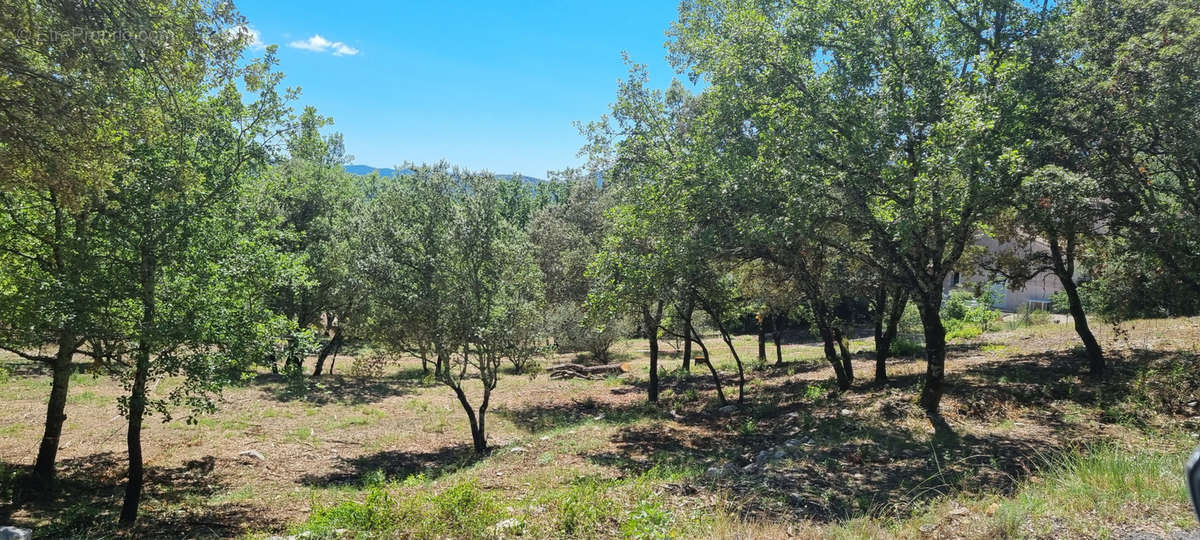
[910, 321]
[960, 329]
[906, 347]
[1059, 303]
[956, 305]
[573, 331]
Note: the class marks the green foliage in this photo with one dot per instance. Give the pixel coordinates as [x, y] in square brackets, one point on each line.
[648, 520]
[1059, 303]
[902, 346]
[463, 510]
[1104, 479]
[584, 508]
[965, 315]
[452, 278]
[957, 329]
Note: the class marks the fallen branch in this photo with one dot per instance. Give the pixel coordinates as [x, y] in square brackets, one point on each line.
[580, 371]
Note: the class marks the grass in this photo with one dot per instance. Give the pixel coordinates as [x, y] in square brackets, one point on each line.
[1033, 448]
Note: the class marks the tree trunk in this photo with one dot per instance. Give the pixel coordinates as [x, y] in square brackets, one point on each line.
[778, 347]
[687, 343]
[708, 361]
[334, 342]
[844, 348]
[1094, 353]
[831, 354]
[137, 396]
[43, 468]
[737, 360]
[887, 324]
[935, 351]
[652, 323]
[478, 438]
[1064, 269]
[762, 340]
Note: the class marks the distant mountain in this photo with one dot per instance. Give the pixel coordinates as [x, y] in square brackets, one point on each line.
[388, 173]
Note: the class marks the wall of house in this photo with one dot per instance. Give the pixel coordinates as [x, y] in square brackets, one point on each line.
[1037, 289]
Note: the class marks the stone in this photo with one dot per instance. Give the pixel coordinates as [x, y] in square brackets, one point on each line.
[778, 454]
[762, 457]
[507, 524]
[728, 409]
[518, 449]
[793, 443]
[847, 412]
[750, 469]
[15, 533]
[723, 471]
[253, 454]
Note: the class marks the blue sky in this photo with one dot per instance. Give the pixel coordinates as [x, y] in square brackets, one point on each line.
[484, 85]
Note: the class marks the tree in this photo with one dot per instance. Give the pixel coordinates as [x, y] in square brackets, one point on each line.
[566, 236]
[191, 271]
[453, 280]
[1056, 213]
[75, 93]
[311, 197]
[644, 258]
[893, 120]
[1124, 111]
[47, 295]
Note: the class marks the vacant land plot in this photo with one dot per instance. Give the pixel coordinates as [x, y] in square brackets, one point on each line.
[1027, 447]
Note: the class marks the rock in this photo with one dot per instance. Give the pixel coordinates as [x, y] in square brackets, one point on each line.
[15, 533]
[793, 443]
[846, 412]
[726, 470]
[518, 449]
[728, 409]
[762, 457]
[778, 454]
[750, 469]
[507, 524]
[253, 454]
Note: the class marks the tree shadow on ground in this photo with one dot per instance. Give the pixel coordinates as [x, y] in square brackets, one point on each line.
[1046, 377]
[395, 464]
[844, 467]
[343, 389]
[549, 416]
[90, 490]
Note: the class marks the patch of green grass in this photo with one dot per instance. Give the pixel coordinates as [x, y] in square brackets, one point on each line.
[648, 520]
[87, 397]
[463, 510]
[302, 434]
[994, 347]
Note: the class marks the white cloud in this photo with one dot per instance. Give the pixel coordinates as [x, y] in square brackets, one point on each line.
[248, 33]
[316, 43]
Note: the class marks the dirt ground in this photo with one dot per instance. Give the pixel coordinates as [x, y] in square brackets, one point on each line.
[1012, 398]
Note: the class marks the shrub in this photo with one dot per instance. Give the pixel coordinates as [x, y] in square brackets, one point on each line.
[906, 347]
[573, 331]
[1059, 303]
[960, 329]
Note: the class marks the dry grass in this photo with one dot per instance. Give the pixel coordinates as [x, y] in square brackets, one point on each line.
[873, 465]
